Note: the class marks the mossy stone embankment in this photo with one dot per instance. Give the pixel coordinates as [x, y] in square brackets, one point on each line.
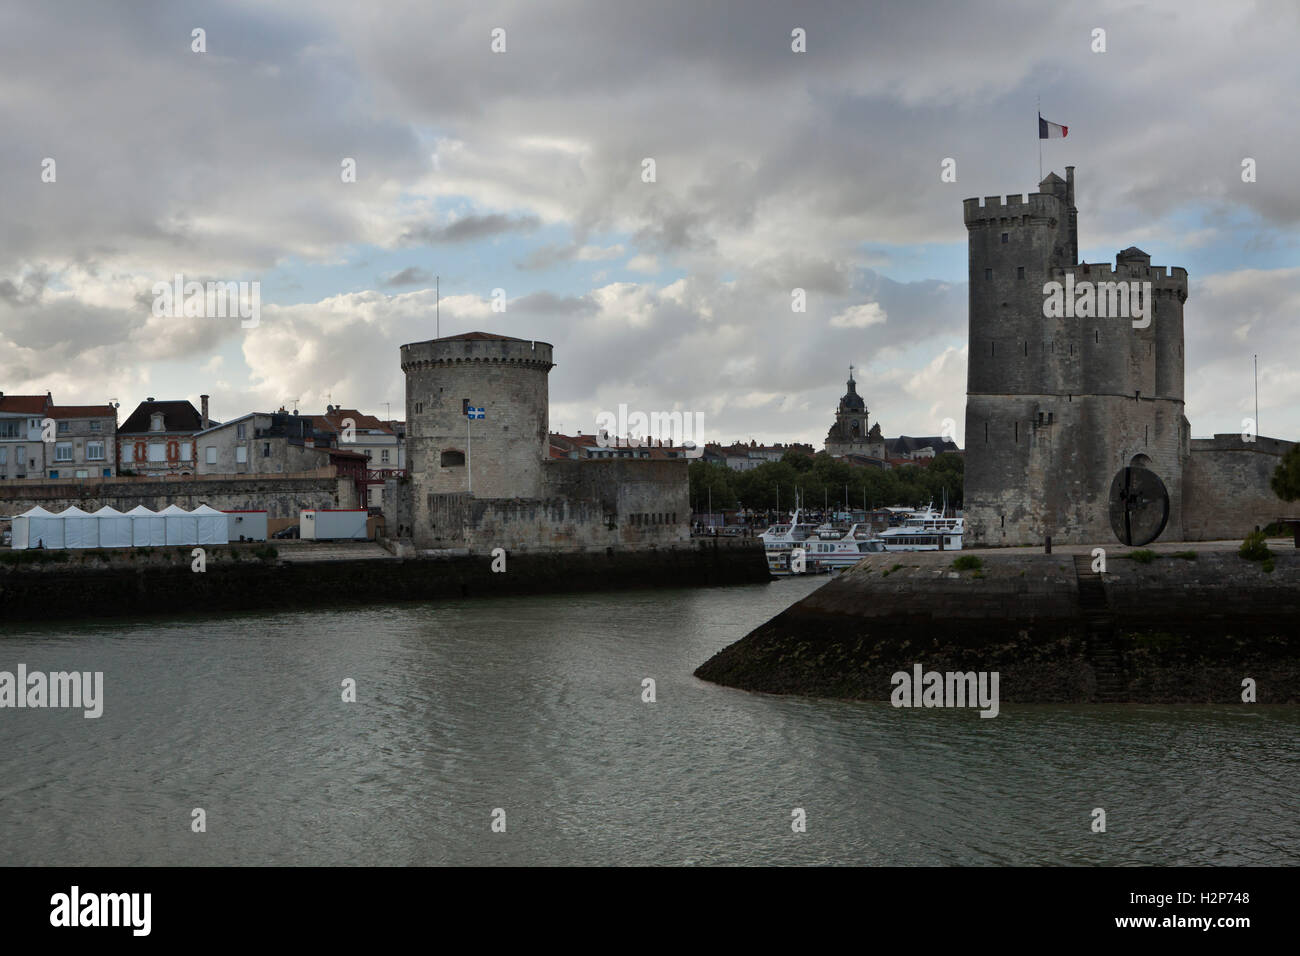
[1183, 630]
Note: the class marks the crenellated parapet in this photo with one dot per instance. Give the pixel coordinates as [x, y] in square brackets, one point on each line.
[1001, 209]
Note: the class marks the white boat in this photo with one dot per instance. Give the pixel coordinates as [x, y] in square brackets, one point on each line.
[843, 552]
[925, 530]
[786, 537]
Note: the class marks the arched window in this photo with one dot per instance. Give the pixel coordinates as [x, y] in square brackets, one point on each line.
[451, 458]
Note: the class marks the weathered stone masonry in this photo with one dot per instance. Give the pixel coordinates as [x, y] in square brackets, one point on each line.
[500, 487]
[1055, 407]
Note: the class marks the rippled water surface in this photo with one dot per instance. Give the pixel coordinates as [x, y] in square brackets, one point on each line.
[533, 705]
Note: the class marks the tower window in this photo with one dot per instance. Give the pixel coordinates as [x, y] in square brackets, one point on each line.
[986, 433]
[451, 458]
[1020, 272]
[1004, 520]
[1146, 434]
[1026, 347]
[1004, 238]
[988, 273]
[1096, 335]
[993, 348]
[1017, 431]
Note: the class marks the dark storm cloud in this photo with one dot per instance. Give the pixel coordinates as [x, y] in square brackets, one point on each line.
[411, 275]
[469, 229]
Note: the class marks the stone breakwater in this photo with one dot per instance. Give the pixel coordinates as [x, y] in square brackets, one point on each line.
[1171, 631]
[104, 584]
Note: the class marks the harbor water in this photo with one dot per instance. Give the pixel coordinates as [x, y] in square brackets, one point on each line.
[531, 712]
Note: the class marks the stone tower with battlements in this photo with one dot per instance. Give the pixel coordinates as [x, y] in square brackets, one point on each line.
[1057, 406]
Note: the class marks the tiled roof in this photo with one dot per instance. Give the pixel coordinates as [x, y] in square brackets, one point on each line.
[333, 421]
[178, 416]
[24, 404]
[82, 411]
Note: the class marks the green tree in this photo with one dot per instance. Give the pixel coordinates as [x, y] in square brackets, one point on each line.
[1286, 477]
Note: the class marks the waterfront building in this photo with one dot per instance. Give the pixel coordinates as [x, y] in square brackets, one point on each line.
[85, 442]
[158, 437]
[22, 452]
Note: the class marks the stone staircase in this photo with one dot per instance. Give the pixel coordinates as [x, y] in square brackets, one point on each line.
[1099, 629]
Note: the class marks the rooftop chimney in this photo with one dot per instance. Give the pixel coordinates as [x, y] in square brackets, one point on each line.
[203, 400]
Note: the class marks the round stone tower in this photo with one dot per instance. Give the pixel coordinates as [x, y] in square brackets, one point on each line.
[503, 453]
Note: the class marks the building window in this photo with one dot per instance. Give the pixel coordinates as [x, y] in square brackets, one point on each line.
[212, 454]
[383, 456]
[20, 456]
[239, 431]
[1017, 431]
[65, 427]
[988, 273]
[63, 451]
[11, 429]
[95, 426]
[157, 451]
[187, 450]
[108, 472]
[82, 473]
[156, 422]
[1020, 272]
[464, 406]
[1004, 238]
[266, 449]
[986, 433]
[419, 407]
[54, 474]
[451, 458]
[241, 454]
[94, 451]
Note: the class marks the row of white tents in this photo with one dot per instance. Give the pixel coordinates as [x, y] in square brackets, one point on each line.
[110, 528]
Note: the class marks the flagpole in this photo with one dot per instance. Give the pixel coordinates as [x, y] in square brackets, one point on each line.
[1038, 133]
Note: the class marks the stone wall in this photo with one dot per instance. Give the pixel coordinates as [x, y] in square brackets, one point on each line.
[279, 497]
[1227, 487]
[1184, 630]
[164, 582]
[587, 505]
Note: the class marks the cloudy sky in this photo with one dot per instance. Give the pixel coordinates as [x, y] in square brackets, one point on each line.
[522, 171]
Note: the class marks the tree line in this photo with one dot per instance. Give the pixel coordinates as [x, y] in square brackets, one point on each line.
[825, 481]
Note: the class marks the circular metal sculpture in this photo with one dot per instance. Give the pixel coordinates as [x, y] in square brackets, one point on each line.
[1139, 505]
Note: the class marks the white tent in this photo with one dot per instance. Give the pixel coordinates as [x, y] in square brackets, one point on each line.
[114, 528]
[148, 530]
[182, 527]
[37, 527]
[213, 525]
[80, 528]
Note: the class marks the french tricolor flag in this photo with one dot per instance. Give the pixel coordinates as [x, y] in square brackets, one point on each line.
[1048, 130]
